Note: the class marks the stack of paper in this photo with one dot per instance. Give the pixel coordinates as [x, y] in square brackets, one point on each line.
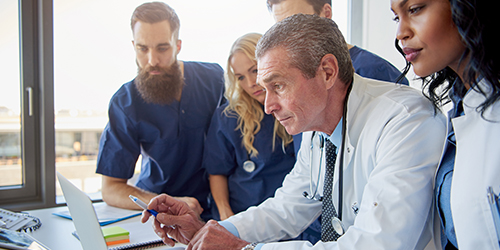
[115, 235]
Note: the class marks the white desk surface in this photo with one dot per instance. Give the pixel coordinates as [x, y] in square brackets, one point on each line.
[55, 231]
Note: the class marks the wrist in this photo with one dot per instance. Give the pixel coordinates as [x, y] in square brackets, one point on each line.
[225, 214]
[250, 246]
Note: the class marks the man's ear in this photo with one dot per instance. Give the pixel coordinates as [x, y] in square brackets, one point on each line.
[330, 69]
[179, 45]
[326, 11]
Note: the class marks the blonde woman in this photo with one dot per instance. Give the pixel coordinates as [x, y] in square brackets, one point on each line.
[247, 152]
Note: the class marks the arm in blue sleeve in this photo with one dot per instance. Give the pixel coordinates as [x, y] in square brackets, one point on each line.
[219, 153]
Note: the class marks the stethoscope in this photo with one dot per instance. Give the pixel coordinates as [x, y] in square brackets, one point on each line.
[249, 165]
[337, 224]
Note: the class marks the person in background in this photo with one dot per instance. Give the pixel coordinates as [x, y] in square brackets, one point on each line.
[365, 63]
[247, 152]
[452, 46]
[163, 115]
[380, 134]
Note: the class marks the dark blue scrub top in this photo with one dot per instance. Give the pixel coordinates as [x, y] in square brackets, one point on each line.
[169, 137]
[225, 154]
[369, 65]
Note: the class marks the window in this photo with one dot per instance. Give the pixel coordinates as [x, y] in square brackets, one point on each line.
[27, 118]
[11, 173]
[62, 62]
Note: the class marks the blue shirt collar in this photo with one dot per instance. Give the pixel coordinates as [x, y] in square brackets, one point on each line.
[336, 137]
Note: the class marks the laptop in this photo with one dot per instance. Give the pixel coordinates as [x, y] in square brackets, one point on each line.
[84, 216]
[87, 225]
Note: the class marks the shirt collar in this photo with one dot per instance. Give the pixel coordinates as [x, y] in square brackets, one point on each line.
[336, 137]
[457, 94]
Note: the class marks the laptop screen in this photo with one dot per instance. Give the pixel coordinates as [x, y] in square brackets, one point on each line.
[84, 216]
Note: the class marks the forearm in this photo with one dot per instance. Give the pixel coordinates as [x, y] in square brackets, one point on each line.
[115, 192]
[220, 192]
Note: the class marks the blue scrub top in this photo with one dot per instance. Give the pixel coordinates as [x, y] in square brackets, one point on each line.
[369, 65]
[444, 175]
[169, 137]
[224, 155]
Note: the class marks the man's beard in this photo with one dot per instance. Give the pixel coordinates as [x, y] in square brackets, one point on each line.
[160, 89]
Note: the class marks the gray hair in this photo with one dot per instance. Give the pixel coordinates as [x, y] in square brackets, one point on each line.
[307, 39]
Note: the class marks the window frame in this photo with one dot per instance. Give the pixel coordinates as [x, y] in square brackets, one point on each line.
[37, 109]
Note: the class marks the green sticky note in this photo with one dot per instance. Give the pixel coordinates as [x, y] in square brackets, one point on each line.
[114, 231]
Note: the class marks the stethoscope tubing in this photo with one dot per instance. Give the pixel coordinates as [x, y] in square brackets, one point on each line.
[341, 160]
[311, 184]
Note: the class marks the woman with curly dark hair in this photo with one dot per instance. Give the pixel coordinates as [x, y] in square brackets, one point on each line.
[451, 46]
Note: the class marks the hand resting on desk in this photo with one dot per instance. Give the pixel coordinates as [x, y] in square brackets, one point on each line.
[176, 219]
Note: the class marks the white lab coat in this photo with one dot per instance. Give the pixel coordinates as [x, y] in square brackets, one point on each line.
[477, 166]
[392, 152]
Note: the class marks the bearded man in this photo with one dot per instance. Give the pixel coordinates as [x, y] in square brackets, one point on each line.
[163, 115]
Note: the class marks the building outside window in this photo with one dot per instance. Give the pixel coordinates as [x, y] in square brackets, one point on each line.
[92, 57]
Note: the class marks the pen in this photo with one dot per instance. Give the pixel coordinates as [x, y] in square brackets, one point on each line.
[142, 205]
[495, 210]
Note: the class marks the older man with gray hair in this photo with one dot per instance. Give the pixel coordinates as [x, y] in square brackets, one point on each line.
[377, 194]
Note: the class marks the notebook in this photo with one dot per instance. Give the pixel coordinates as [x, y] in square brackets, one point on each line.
[105, 214]
[88, 228]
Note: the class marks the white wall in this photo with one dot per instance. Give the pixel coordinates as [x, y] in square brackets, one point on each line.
[378, 33]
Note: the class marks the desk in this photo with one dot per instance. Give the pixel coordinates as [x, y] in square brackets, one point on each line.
[55, 231]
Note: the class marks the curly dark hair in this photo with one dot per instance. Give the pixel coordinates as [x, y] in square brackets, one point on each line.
[475, 20]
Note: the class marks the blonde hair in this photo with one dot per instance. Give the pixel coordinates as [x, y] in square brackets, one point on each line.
[241, 105]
